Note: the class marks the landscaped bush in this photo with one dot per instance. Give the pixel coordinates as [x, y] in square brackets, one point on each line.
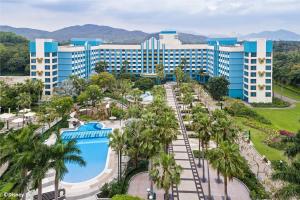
[277, 103]
[117, 112]
[125, 197]
[237, 108]
[286, 133]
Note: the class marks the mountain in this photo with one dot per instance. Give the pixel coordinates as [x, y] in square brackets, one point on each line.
[274, 35]
[106, 33]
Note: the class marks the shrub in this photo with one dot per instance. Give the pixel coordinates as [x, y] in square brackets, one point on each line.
[1, 125]
[125, 197]
[286, 133]
[144, 83]
[277, 103]
[238, 108]
[117, 112]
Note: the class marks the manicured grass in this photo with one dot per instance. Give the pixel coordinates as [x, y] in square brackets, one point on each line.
[258, 137]
[285, 119]
[287, 92]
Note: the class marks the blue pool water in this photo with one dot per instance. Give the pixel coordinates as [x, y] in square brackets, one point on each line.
[93, 142]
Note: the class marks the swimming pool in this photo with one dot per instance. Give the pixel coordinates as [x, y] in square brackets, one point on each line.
[92, 140]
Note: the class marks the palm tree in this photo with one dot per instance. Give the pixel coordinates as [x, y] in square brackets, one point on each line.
[39, 86]
[24, 100]
[293, 149]
[159, 69]
[62, 153]
[165, 173]
[117, 143]
[179, 75]
[228, 161]
[42, 164]
[16, 150]
[291, 175]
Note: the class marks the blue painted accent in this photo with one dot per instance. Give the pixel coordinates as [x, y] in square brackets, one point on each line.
[269, 46]
[84, 41]
[32, 47]
[222, 41]
[168, 32]
[250, 46]
[50, 47]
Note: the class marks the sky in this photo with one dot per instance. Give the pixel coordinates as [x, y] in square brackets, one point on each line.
[207, 17]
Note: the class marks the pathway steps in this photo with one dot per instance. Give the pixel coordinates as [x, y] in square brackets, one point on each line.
[190, 187]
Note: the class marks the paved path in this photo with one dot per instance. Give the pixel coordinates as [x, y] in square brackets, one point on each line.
[139, 184]
[190, 187]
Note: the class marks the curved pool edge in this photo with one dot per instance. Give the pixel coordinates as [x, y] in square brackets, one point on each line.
[94, 178]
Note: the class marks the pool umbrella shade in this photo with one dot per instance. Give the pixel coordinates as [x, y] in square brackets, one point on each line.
[17, 120]
[6, 116]
[25, 110]
[30, 114]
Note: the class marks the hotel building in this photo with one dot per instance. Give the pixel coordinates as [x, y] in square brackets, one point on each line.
[247, 65]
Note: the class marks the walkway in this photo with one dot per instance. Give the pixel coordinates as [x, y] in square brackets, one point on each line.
[190, 187]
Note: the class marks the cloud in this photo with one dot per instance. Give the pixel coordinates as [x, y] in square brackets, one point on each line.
[201, 16]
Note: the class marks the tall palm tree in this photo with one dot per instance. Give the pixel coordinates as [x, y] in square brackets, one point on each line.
[165, 172]
[62, 153]
[24, 100]
[42, 164]
[117, 143]
[16, 150]
[291, 175]
[39, 86]
[228, 161]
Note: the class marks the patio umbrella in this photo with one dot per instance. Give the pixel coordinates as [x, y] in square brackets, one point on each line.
[25, 110]
[30, 114]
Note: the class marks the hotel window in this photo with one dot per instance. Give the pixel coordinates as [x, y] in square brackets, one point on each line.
[268, 74]
[253, 67]
[246, 86]
[246, 74]
[246, 60]
[253, 74]
[253, 54]
[47, 73]
[33, 67]
[268, 54]
[54, 54]
[253, 80]
[268, 61]
[268, 87]
[268, 67]
[246, 67]
[253, 61]
[33, 73]
[54, 79]
[54, 60]
[33, 54]
[47, 93]
[47, 60]
[268, 94]
[47, 54]
[47, 86]
[253, 94]
[33, 60]
[47, 80]
[47, 67]
[268, 80]
[54, 73]
[253, 87]
[246, 93]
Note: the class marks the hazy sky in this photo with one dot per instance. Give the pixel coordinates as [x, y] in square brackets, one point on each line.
[196, 16]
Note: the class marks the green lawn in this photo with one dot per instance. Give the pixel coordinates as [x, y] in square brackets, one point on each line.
[258, 137]
[286, 92]
[287, 119]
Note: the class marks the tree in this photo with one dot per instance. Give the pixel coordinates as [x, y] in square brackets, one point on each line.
[16, 150]
[290, 174]
[63, 104]
[218, 87]
[125, 197]
[24, 100]
[117, 143]
[79, 84]
[104, 80]
[100, 66]
[228, 161]
[188, 98]
[94, 94]
[136, 95]
[62, 153]
[144, 83]
[179, 74]
[159, 69]
[165, 172]
[132, 136]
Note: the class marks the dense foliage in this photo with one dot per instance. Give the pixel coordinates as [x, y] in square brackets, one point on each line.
[218, 87]
[14, 54]
[286, 59]
[278, 103]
